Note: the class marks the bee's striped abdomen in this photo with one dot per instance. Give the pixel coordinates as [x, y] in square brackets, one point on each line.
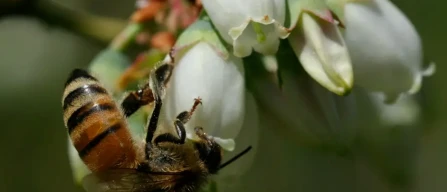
[96, 125]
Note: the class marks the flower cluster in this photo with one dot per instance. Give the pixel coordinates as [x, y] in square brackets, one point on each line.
[336, 41]
[339, 44]
[308, 56]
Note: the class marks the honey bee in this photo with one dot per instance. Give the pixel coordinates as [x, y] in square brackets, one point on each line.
[165, 162]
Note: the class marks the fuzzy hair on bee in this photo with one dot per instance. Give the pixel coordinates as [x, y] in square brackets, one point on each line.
[165, 162]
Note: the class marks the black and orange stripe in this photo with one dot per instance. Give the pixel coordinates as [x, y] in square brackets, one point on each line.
[96, 125]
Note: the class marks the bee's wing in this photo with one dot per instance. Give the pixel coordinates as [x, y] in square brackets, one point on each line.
[125, 180]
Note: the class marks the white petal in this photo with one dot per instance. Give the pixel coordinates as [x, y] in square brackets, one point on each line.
[246, 39]
[233, 19]
[258, 9]
[323, 53]
[271, 44]
[242, 45]
[227, 144]
[404, 112]
[317, 7]
[225, 15]
[385, 48]
[201, 72]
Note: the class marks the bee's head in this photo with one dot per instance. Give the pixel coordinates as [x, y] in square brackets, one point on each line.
[211, 154]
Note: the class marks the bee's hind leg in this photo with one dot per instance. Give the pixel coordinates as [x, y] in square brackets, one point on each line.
[168, 137]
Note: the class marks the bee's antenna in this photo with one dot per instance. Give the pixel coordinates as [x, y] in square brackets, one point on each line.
[235, 157]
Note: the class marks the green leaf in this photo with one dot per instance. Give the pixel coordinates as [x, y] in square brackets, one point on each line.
[108, 66]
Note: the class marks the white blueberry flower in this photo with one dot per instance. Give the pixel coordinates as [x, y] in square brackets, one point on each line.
[200, 72]
[319, 45]
[308, 113]
[249, 24]
[301, 116]
[385, 48]
[204, 69]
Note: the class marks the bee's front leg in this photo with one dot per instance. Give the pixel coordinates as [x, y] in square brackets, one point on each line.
[181, 119]
[185, 116]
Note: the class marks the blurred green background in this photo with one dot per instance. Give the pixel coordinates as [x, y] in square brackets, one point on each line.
[36, 57]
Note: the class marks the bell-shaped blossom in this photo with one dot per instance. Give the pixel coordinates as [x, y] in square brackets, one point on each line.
[304, 113]
[200, 72]
[308, 113]
[385, 48]
[320, 47]
[249, 24]
[204, 69]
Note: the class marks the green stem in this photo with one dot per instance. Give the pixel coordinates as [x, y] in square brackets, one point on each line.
[203, 15]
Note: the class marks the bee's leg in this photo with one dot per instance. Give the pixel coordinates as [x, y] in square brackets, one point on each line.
[210, 152]
[168, 137]
[185, 116]
[134, 100]
[153, 122]
[181, 119]
[158, 80]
